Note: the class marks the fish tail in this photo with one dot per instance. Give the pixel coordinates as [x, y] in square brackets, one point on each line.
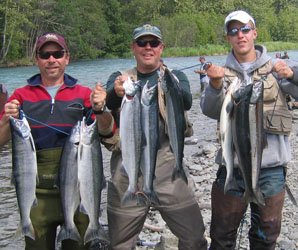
[152, 197]
[26, 230]
[230, 184]
[248, 197]
[71, 233]
[95, 233]
[128, 197]
[259, 198]
[179, 173]
[29, 231]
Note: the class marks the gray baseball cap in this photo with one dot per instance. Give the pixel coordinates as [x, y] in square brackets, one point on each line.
[146, 29]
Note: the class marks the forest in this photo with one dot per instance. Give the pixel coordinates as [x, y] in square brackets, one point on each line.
[103, 28]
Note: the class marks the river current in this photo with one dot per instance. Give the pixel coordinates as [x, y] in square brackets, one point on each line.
[88, 73]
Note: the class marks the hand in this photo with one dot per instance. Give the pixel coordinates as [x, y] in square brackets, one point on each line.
[283, 70]
[118, 85]
[98, 97]
[216, 74]
[12, 109]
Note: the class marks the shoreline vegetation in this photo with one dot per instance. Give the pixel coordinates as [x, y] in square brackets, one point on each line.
[202, 50]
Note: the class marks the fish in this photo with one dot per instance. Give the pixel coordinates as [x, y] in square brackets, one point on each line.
[150, 128]
[226, 137]
[241, 138]
[131, 139]
[91, 179]
[24, 171]
[175, 120]
[257, 137]
[69, 185]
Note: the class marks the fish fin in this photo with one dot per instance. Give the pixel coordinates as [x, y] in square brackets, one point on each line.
[95, 233]
[128, 197]
[258, 197]
[248, 197]
[71, 233]
[179, 174]
[153, 197]
[82, 209]
[27, 231]
[230, 108]
[35, 203]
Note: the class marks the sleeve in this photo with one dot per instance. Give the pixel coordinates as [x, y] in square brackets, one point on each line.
[211, 101]
[113, 101]
[290, 86]
[184, 84]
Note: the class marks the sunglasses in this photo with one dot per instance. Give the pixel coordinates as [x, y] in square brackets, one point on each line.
[143, 43]
[244, 29]
[56, 54]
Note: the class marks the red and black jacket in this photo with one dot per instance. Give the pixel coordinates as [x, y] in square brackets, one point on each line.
[70, 104]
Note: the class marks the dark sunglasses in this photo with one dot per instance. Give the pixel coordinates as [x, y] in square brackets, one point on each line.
[244, 29]
[56, 54]
[143, 43]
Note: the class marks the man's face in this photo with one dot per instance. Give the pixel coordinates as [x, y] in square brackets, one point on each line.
[51, 68]
[147, 55]
[242, 41]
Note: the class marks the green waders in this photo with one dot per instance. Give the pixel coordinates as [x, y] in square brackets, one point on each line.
[47, 215]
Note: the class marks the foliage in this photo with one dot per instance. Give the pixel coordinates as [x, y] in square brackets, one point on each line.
[103, 28]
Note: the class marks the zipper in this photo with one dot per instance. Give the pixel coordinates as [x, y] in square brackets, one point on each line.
[52, 106]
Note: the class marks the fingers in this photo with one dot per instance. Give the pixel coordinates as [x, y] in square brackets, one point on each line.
[12, 108]
[216, 74]
[118, 85]
[98, 97]
[283, 70]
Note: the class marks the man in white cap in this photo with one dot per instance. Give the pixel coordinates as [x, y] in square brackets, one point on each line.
[250, 63]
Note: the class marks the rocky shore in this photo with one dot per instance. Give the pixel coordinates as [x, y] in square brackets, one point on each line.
[200, 151]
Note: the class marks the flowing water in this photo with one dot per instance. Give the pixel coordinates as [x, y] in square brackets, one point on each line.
[88, 73]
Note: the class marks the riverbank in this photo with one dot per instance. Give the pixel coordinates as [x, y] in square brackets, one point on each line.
[201, 50]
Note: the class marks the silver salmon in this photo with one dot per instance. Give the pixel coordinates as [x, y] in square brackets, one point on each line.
[131, 138]
[175, 120]
[69, 185]
[150, 127]
[257, 137]
[241, 138]
[91, 179]
[226, 137]
[24, 171]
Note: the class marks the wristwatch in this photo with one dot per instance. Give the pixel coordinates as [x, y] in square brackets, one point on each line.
[103, 109]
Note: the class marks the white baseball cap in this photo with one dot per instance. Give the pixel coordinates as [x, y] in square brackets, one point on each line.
[238, 15]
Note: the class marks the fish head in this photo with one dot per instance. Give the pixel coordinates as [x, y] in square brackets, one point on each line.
[242, 93]
[130, 87]
[88, 132]
[257, 92]
[20, 126]
[149, 94]
[74, 136]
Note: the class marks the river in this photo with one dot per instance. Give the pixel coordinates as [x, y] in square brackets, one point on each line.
[88, 73]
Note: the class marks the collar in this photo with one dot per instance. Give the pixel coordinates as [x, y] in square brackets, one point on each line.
[35, 80]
